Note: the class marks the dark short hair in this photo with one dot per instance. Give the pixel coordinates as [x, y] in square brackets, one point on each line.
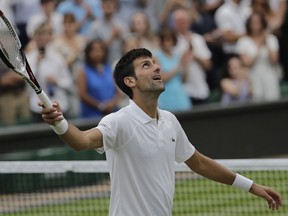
[125, 68]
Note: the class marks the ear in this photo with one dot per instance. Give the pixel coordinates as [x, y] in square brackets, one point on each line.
[130, 81]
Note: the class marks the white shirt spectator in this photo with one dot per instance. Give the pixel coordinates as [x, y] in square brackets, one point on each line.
[196, 85]
[56, 22]
[232, 17]
[264, 76]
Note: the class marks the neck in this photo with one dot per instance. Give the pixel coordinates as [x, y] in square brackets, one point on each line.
[149, 106]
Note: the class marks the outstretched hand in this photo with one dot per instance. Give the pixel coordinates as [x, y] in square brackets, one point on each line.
[272, 197]
[52, 114]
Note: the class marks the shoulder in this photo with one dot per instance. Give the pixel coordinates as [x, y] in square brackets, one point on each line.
[167, 115]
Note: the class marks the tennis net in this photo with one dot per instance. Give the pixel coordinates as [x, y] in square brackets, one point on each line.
[82, 188]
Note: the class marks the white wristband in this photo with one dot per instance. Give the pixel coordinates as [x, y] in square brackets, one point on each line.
[61, 127]
[242, 182]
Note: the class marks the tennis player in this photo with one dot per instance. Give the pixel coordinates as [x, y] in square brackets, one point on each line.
[142, 144]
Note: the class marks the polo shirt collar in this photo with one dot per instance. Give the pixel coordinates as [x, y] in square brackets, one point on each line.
[138, 113]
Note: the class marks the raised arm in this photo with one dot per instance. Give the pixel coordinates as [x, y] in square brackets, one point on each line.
[215, 171]
[75, 138]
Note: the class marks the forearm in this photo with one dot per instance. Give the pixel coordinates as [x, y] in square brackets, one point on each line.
[211, 169]
[74, 138]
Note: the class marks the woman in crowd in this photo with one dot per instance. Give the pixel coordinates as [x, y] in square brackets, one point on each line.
[174, 98]
[262, 58]
[97, 91]
[236, 86]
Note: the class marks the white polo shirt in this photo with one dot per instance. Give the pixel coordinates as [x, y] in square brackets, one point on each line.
[141, 155]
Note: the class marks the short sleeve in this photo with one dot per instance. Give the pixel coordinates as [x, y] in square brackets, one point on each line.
[184, 149]
[108, 127]
[272, 43]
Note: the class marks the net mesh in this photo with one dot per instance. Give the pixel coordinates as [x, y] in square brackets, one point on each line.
[82, 188]
[10, 45]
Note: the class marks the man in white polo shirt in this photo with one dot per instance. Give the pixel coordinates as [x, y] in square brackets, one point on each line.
[142, 144]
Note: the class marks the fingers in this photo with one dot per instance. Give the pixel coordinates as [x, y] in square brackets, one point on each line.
[51, 114]
[274, 199]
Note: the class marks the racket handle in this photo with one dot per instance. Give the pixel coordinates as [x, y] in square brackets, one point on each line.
[45, 99]
[60, 126]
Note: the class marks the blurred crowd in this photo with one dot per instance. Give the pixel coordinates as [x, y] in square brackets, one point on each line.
[234, 47]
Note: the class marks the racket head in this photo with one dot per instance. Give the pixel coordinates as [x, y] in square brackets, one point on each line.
[12, 54]
[10, 46]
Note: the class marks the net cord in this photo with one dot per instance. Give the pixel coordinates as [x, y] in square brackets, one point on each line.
[100, 166]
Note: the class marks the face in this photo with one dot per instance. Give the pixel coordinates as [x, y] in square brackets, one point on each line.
[148, 76]
[97, 53]
[139, 23]
[181, 21]
[43, 35]
[109, 7]
[70, 26]
[235, 68]
[255, 24]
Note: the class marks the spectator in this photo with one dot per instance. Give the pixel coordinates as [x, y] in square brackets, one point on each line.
[165, 17]
[236, 87]
[13, 98]
[140, 27]
[23, 11]
[48, 14]
[194, 48]
[203, 23]
[274, 17]
[85, 12]
[262, 58]
[98, 93]
[129, 7]
[50, 70]
[174, 98]
[109, 29]
[71, 44]
[230, 19]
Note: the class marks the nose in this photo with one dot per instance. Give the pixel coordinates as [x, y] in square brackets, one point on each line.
[157, 67]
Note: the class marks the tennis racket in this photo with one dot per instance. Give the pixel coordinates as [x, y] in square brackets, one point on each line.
[14, 58]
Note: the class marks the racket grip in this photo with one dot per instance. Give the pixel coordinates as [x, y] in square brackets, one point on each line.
[45, 99]
[60, 126]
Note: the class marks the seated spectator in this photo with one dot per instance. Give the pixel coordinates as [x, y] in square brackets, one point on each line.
[50, 70]
[97, 90]
[13, 98]
[259, 51]
[236, 86]
[174, 98]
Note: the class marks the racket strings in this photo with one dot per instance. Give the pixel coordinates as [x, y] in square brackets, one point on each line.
[9, 44]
